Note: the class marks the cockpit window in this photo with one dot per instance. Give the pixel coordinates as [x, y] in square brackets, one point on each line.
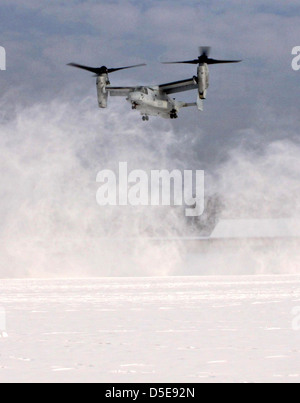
[144, 90]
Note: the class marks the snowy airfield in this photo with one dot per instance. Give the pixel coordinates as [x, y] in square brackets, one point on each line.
[175, 329]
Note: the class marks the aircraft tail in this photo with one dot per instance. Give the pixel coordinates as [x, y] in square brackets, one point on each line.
[198, 104]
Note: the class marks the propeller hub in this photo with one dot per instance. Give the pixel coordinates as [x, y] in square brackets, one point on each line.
[103, 70]
[203, 59]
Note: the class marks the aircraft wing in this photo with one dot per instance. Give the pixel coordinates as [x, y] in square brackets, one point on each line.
[119, 91]
[179, 86]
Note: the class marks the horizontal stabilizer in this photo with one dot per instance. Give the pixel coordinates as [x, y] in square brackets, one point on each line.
[186, 105]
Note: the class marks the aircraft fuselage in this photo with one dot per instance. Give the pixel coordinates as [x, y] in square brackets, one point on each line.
[151, 102]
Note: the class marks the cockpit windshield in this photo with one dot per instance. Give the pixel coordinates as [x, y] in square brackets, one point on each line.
[144, 90]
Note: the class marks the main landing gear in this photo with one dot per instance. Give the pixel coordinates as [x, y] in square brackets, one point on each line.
[145, 118]
[173, 114]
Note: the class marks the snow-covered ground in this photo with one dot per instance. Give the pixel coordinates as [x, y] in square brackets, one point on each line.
[184, 329]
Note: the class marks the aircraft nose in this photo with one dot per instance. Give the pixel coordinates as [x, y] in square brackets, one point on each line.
[135, 98]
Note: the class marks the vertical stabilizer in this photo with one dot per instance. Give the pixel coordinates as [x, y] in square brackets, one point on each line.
[200, 104]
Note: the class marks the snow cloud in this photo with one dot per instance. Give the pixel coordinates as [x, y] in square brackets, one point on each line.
[51, 224]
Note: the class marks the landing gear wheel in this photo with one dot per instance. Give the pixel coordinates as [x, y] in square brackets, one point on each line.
[145, 118]
[173, 114]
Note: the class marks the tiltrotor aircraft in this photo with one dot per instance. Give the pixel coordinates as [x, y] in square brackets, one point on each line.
[156, 100]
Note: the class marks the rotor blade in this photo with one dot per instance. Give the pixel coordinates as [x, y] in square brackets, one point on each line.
[101, 70]
[204, 50]
[213, 61]
[204, 58]
[196, 61]
[95, 70]
[125, 68]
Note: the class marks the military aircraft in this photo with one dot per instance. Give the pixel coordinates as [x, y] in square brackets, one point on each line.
[156, 100]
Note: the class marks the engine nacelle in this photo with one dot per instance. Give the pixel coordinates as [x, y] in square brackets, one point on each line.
[102, 82]
[203, 80]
